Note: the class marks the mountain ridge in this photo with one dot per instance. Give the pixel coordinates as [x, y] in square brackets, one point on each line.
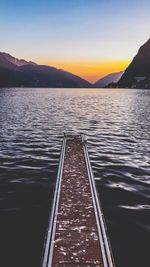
[22, 73]
[106, 80]
[137, 74]
[16, 61]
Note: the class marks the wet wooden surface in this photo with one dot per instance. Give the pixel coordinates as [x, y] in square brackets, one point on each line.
[76, 241]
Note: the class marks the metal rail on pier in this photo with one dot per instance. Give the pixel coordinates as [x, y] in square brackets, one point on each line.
[77, 233]
[52, 223]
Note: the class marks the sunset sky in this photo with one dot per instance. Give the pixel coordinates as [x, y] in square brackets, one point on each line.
[90, 38]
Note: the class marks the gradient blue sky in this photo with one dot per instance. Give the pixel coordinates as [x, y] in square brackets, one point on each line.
[77, 35]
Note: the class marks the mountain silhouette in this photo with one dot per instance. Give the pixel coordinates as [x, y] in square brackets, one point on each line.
[138, 72]
[19, 62]
[20, 73]
[110, 78]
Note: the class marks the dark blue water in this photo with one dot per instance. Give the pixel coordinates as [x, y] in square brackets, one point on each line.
[117, 124]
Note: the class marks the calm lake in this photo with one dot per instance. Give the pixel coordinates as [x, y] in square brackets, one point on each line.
[117, 125]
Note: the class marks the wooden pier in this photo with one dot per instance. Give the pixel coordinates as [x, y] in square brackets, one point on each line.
[77, 233]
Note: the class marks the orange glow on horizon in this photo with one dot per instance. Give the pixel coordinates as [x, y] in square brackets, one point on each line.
[89, 70]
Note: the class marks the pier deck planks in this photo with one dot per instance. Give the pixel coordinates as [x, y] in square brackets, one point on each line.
[76, 240]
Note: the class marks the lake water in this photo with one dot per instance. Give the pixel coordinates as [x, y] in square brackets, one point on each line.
[117, 125]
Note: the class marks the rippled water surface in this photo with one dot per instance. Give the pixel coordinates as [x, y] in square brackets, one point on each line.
[117, 125]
